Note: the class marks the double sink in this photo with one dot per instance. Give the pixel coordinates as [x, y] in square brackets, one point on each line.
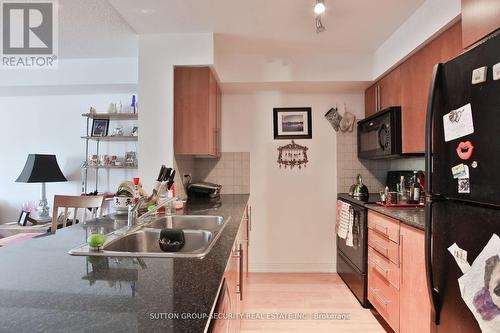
[200, 234]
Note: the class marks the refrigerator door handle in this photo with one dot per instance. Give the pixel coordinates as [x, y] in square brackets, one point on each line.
[433, 292]
[436, 80]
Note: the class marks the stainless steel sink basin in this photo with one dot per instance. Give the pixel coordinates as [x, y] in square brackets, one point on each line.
[188, 222]
[200, 233]
[146, 241]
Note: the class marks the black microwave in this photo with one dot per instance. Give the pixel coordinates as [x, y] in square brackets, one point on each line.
[379, 136]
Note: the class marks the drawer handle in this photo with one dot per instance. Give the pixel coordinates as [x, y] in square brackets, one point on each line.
[384, 271]
[378, 227]
[379, 298]
[381, 269]
[376, 244]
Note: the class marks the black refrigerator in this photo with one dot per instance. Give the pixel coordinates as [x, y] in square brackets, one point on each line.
[463, 180]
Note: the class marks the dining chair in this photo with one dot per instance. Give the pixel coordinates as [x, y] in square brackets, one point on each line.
[75, 202]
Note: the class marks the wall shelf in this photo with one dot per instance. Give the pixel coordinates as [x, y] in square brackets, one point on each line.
[98, 140]
[111, 138]
[112, 116]
[111, 167]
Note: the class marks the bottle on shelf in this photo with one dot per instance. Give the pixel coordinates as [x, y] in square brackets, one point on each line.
[133, 105]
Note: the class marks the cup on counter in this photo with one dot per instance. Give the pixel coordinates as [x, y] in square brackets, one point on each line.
[392, 198]
[404, 196]
[382, 196]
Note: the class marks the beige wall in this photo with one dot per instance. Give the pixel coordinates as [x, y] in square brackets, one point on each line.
[293, 210]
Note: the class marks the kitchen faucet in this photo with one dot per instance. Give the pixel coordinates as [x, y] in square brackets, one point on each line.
[133, 210]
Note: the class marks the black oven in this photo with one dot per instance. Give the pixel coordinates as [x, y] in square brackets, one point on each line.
[379, 136]
[352, 260]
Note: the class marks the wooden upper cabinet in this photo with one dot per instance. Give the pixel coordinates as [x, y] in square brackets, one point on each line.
[416, 76]
[384, 93]
[479, 19]
[196, 112]
[371, 100]
[413, 284]
[390, 89]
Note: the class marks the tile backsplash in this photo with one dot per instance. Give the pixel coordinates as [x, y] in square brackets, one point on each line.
[413, 163]
[374, 172]
[231, 170]
[349, 166]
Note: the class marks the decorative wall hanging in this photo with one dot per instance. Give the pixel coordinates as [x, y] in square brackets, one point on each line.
[345, 122]
[292, 155]
[334, 117]
[292, 123]
[348, 121]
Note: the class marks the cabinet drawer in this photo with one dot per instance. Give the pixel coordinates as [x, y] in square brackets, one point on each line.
[387, 270]
[384, 225]
[385, 299]
[384, 246]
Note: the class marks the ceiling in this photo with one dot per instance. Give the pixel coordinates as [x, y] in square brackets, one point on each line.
[93, 29]
[352, 25]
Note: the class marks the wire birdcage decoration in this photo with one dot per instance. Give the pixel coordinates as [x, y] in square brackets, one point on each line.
[292, 155]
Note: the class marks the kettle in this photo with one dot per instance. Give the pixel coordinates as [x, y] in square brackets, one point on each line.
[359, 190]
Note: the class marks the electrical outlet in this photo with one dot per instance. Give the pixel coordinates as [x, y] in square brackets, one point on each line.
[186, 178]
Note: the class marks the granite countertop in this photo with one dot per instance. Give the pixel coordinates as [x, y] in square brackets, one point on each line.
[44, 289]
[414, 217]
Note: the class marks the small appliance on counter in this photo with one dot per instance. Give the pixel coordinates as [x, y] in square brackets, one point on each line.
[359, 190]
[203, 191]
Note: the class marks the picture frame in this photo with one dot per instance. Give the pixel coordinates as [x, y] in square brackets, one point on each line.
[23, 218]
[292, 123]
[100, 127]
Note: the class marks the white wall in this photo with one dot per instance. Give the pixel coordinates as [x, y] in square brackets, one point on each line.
[158, 54]
[52, 125]
[41, 109]
[293, 210]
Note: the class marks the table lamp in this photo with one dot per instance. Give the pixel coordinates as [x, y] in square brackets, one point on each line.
[41, 169]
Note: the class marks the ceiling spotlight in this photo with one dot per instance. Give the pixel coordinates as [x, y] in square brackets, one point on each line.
[319, 8]
[319, 25]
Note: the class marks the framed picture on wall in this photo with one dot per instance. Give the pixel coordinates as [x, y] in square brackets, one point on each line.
[292, 123]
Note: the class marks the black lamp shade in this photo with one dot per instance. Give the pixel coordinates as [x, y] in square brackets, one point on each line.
[41, 169]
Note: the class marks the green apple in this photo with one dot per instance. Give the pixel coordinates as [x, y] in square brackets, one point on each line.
[96, 240]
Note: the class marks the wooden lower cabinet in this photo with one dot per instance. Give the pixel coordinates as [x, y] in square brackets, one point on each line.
[224, 307]
[415, 306]
[233, 289]
[397, 289]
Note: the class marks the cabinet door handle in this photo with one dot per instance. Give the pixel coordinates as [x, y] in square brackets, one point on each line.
[401, 257]
[240, 272]
[249, 218]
